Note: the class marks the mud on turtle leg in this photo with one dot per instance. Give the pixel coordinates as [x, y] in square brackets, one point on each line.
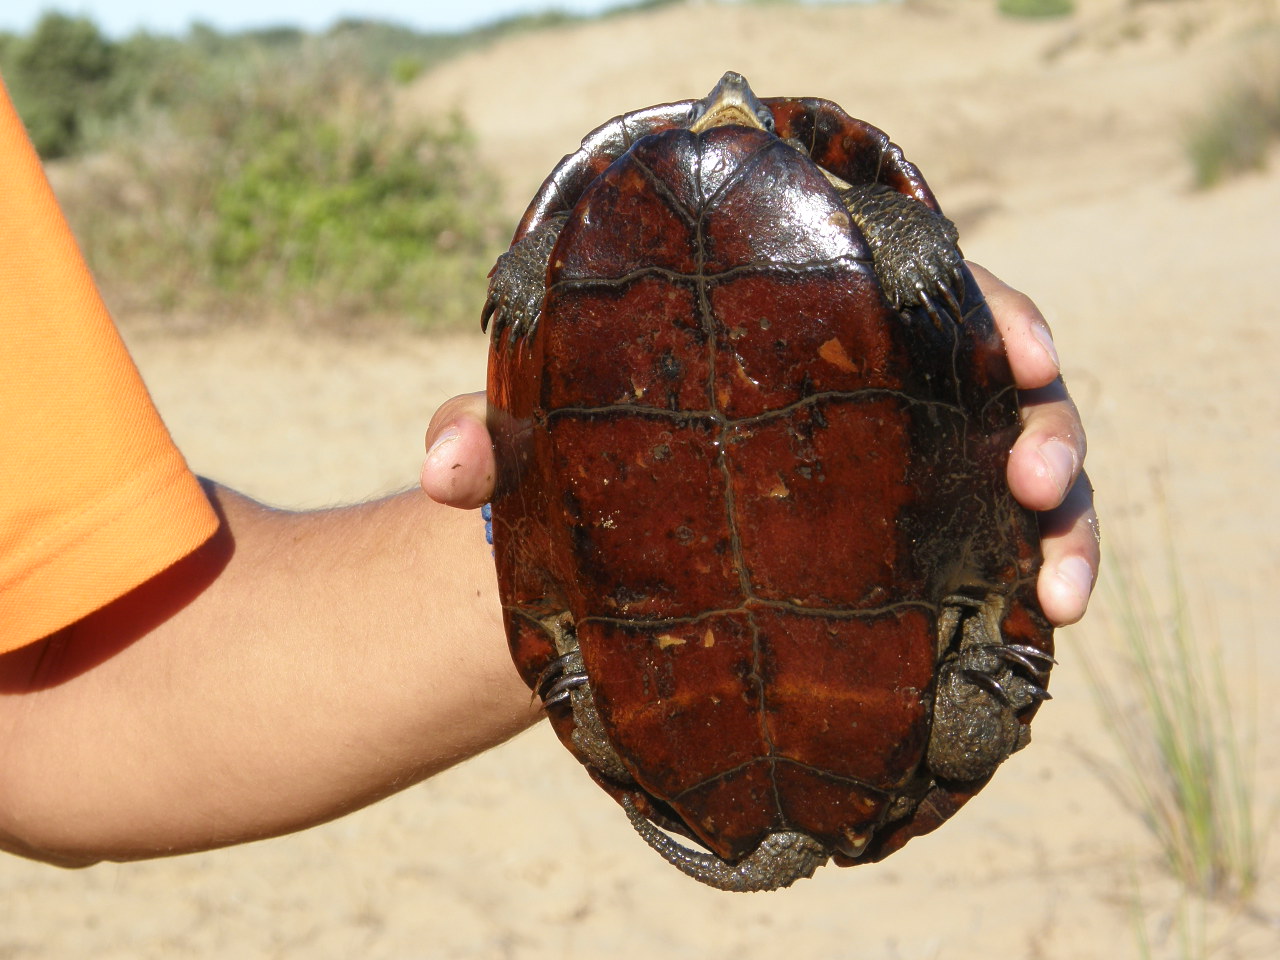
[983, 684]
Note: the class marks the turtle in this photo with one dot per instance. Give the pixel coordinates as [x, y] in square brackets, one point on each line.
[755, 547]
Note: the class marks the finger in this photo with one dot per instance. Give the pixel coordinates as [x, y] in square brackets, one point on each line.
[1071, 542]
[1028, 341]
[459, 467]
[1047, 457]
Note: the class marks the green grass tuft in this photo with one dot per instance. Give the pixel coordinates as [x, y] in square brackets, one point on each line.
[1236, 132]
[1036, 8]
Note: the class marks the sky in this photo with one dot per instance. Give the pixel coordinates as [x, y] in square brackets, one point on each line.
[121, 17]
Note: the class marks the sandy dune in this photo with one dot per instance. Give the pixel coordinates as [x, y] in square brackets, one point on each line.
[1056, 148]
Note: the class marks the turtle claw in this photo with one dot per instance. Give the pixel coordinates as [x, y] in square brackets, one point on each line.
[559, 678]
[988, 683]
[1025, 691]
[559, 691]
[510, 315]
[551, 671]
[944, 311]
[931, 309]
[1035, 662]
[953, 301]
[1023, 658]
[1032, 653]
[1030, 688]
[1037, 692]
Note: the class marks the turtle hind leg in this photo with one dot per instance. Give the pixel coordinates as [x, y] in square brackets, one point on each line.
[983, 686]
[564, 680]
[913, 249]
[780, 860]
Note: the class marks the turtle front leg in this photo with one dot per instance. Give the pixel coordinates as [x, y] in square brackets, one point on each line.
[982, 687]
[913, 249]
[518, 283]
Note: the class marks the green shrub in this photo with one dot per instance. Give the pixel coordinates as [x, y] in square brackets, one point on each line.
[1237, 130]
[149, 71]
[289, 185]
[56, 76]
[71, 84]
[1036, 8]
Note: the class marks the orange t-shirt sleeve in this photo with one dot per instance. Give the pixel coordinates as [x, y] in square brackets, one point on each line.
[95, 498]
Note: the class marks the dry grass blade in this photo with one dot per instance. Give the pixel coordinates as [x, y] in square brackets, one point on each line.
[1184, 735]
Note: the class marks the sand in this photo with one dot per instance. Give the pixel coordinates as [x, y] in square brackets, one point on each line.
[1056, 146]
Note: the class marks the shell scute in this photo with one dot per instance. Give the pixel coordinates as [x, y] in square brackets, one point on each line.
[649, 349]
[625, 518]
[621, 230]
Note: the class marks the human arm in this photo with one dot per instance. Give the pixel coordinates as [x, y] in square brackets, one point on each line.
[1045, 465]
[296, 667]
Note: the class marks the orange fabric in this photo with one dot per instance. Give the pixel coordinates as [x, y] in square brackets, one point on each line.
[94, 497]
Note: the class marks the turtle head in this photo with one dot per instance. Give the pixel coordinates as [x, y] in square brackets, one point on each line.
[730, 103]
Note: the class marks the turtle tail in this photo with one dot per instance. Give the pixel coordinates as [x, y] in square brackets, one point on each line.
[780, 860]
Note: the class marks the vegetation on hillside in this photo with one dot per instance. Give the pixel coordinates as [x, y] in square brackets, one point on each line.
[268, 172]
[263, 172]
[292, 189]
[1036, 8]
[1240, 125]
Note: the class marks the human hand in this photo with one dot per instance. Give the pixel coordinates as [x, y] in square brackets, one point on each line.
[1045, 466]
[1046, 463]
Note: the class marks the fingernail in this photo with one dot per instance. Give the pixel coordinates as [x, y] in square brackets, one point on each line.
[448, 435]
[1042, 334]
[1060, 460]
[1076, 573]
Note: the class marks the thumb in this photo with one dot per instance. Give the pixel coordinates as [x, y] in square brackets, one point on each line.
[459, 467]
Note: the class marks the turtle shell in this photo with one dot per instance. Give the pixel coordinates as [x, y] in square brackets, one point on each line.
[751, 524]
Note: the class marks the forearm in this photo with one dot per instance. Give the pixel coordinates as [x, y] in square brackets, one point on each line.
[297, 667]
